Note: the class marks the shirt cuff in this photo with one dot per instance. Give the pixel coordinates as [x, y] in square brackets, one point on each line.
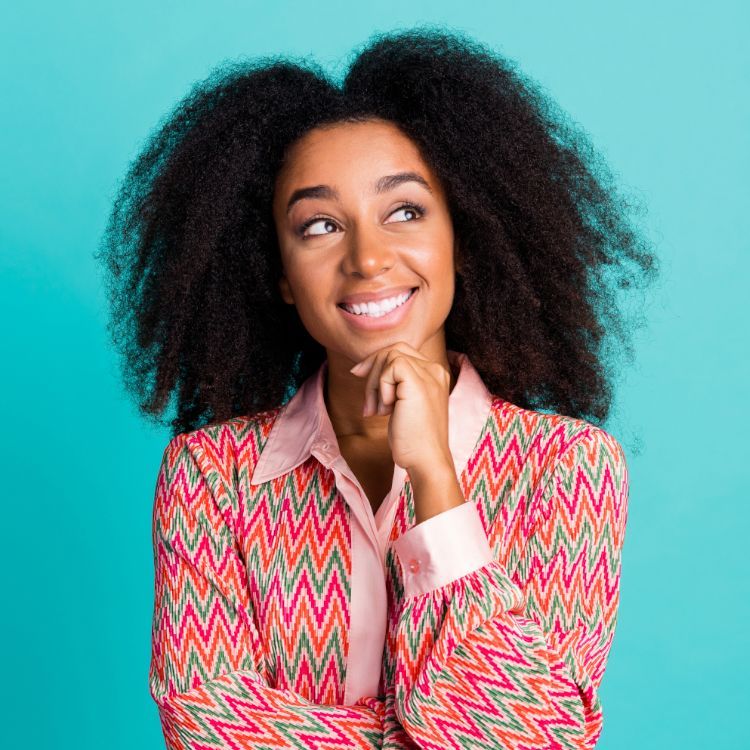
[442, 549]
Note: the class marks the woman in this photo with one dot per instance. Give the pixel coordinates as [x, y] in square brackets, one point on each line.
[387, 517]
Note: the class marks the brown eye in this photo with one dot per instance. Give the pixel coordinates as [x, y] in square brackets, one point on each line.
[316, 220]
[410, 208]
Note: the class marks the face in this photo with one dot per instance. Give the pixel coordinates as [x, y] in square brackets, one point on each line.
[358, 212]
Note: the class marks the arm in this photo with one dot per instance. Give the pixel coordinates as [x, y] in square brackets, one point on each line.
[206, 673]
[486, 660]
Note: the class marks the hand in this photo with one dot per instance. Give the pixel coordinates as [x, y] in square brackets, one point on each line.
[402, 382]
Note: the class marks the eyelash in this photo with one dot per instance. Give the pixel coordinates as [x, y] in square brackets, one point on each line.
[312, 220]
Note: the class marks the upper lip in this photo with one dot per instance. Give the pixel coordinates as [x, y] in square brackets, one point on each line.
[374, 296]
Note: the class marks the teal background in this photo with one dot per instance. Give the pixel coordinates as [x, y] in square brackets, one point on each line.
[662, 89]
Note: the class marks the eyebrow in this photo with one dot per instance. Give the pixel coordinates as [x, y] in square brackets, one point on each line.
[385, 183]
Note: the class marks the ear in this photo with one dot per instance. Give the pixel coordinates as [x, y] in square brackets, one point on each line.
[286, 290]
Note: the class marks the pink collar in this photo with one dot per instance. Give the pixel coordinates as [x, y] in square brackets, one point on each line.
[303, 427]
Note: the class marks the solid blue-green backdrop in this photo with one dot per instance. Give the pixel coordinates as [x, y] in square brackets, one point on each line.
[661, 88]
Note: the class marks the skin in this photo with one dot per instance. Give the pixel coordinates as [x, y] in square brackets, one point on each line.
[397, 401]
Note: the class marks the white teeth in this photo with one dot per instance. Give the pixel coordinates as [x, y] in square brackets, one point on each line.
[378, 309]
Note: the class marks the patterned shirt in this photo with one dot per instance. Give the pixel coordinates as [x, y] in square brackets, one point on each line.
[287, 614]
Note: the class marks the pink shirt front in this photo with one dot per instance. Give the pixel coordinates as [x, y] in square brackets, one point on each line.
[432, 553]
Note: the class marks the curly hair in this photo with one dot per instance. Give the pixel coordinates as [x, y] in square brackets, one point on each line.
[545, 239]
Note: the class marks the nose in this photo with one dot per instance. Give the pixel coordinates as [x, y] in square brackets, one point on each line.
[368, 252]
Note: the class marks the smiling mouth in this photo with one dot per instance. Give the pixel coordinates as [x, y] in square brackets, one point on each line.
[377, 312]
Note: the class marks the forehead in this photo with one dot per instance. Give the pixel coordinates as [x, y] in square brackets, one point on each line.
[344, 152]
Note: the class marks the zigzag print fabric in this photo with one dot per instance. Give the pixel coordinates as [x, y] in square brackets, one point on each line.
[253, 593]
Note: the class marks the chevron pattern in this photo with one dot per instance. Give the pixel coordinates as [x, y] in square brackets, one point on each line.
[252, 592]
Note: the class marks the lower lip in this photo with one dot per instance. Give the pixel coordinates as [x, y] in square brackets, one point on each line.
[393, 318]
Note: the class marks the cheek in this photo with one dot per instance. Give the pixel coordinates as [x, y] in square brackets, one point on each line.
[434, 258]
[309, 283]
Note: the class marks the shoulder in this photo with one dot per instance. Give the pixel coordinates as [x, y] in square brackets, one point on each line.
[548, 435]
[223, 452]
[577, 471]
[234, 442]
[554, 451]
[542, 463]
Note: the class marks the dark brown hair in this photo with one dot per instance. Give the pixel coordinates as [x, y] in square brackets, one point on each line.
[545, 239]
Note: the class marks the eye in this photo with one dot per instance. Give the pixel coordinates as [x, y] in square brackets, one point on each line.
[410, 208]
[311, 222]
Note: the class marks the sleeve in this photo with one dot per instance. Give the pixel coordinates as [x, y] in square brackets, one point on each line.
[206, 672]
[493, 661]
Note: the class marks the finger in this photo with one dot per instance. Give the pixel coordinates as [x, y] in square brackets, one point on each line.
[364, 365]
[386, 383]
[372, 366]
[397, 379]
[373, 392]
[387, 386]
[407, 348]
[371, 383]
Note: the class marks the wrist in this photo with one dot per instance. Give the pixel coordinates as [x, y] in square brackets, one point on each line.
[434, 471]
[435, 474]
[435, 491]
